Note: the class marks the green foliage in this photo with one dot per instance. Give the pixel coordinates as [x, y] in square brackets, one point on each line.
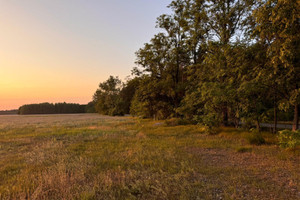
[90, 107]
[215, 62]
[277, 26]
[210, 130]
[49, 108]
[256, 138]
[209, 119]
[243, 149]
[151, 100]
[128, 91]
[177, 122]
[107, 98]
[289, 139]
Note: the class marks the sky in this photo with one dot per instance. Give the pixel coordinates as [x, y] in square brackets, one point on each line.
[60, 50]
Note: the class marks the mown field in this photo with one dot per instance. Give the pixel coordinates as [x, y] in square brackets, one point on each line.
[88, 156]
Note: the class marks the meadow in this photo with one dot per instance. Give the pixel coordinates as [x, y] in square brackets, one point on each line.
[89, 156]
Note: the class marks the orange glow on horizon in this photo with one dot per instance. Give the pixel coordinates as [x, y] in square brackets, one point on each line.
[59, 51]
[39, 64]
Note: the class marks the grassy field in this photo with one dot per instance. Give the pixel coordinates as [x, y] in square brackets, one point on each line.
[90, 156]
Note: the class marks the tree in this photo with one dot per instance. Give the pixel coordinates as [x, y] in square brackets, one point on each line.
[227, 17]
[107, 97]
[204, 65]
[151, 99]
[277, 26]
[165, 59]
[90, 107]
[128, 91]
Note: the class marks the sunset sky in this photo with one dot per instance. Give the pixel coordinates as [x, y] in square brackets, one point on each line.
[60, 50]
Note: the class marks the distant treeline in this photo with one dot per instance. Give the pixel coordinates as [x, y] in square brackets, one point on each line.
[57, 108]
[8, 112]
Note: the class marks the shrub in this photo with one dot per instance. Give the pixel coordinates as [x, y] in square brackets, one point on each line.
[211, 130]
[210, 119]
[243, 149]
[256, 138]
[177, 122]
[289, 139]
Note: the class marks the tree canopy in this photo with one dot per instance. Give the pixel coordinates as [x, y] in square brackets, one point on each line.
[49, 108]
[216, 62]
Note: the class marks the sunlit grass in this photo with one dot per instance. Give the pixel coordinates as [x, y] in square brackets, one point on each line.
[97, 157]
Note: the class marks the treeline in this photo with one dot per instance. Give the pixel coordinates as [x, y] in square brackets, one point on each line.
[8, 112]
[57, 108]
[216, 62]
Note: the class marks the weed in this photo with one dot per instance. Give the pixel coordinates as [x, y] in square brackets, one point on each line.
[256, 138]
[289, 139]
[177, 122]
[243, 149]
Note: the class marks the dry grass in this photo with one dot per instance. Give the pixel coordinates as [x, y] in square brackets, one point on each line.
[90, 156]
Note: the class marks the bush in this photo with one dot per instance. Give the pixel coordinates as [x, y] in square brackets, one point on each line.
[243, 149]
[177, 122]
[289, 139]
[256, 138]
[210, 119]
[212, 130]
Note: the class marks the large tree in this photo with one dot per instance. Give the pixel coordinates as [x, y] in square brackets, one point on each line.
[226, 23]
[203, 65]
[277, 26]
[164, 59]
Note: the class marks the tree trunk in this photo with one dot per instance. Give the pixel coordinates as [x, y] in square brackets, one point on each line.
[296, 118]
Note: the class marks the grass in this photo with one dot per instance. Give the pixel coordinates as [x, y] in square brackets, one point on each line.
[90, 156]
